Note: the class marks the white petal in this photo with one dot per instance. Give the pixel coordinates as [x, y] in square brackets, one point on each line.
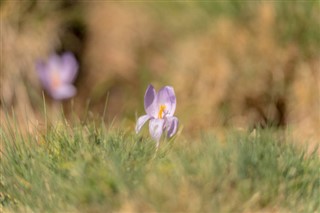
[63, 92]
[156, 129]
[141, 121]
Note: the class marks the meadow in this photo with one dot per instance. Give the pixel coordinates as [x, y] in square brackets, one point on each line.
[93, 167]
[246, 81]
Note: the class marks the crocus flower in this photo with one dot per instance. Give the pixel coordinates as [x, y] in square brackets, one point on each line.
[57, 75]
[160, 108]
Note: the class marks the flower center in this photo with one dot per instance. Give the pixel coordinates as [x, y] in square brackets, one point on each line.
[55, 80]
[161, 111]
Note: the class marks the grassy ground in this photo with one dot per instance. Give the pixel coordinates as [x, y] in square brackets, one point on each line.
[94, 168]
[258, 61]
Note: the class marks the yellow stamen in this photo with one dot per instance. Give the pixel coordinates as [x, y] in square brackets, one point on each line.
[161, 111]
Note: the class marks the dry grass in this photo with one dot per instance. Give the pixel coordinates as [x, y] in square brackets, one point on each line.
[226, 73]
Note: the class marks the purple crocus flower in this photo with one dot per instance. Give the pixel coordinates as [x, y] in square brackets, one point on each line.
[57, 75]
[160, 108]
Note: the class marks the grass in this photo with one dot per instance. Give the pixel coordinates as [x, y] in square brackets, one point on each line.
[94, 168]
[90, 167]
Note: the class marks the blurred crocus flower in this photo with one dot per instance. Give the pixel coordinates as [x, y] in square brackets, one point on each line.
[57, 75]
[160, 108]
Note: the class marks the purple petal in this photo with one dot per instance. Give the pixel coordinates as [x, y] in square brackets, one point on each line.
[64, 92]
[171, 125]
[42, 70]
[69, 67]
[54, 63]
[150, 102]
[141, 121]
[156, 129]
[167, 97]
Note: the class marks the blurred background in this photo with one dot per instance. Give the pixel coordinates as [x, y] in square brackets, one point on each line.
[233, 64]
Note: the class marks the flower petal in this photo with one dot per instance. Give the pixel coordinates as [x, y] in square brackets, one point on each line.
[42, 70]
[54, 63]
[64, 92]
[69, 67]
[141, 121]
[167, 97]
[156, 129]
[150, 102]
[171, 125]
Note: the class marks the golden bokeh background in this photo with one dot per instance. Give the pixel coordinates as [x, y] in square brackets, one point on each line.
[233, 64]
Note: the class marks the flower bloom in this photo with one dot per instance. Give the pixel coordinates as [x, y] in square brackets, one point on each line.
[160, 108]
[57, 75]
